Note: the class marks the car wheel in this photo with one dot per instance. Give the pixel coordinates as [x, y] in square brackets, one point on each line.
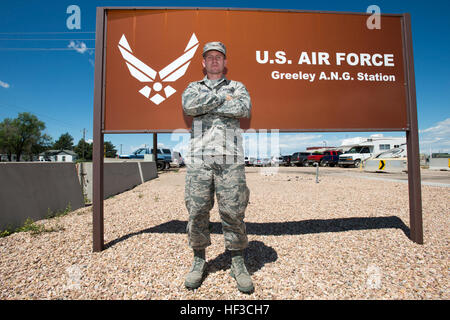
[357, 163]
[159, 165]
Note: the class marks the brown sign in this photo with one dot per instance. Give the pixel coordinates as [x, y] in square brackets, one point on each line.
[304, 71]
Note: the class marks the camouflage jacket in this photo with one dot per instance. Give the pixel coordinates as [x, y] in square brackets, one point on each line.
[216, 127]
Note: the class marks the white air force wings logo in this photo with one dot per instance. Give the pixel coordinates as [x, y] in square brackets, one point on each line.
[170, 73]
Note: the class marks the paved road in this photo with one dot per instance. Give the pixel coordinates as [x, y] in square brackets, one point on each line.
[428, 177]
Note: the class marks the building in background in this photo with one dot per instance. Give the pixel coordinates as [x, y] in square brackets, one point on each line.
[58, 156]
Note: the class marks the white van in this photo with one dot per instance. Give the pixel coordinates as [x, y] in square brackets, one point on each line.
[367, 149]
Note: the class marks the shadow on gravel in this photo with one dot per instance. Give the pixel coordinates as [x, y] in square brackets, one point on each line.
[257, 254]
[285, 228]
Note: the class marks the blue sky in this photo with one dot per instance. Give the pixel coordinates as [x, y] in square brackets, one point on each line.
[42, 73]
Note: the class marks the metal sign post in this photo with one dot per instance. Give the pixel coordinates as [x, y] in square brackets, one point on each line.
[412, 140]
[97, 152]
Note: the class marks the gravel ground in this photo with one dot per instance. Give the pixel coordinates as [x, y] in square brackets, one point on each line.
[343, 238]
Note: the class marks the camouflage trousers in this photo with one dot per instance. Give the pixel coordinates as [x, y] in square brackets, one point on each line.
[227, 181]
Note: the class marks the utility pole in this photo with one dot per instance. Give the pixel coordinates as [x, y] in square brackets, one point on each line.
[84, 140]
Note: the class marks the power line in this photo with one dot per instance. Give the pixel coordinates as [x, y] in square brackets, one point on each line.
[43, 49]
[65, 32]
[48, 39]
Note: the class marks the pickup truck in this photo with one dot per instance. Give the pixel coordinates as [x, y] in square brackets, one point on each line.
[316, 157]
[330, 158]
[163, 161]
[326, 158]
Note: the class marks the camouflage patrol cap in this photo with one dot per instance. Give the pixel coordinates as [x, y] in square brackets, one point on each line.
[215, 45]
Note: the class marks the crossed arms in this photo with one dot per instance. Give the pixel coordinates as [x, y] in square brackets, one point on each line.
[198, 100]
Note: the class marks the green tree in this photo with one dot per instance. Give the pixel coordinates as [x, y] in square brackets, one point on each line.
[110, 150]
[87, 147]
[8, 135]
[22, 134]
[45, 143]
[65, 142]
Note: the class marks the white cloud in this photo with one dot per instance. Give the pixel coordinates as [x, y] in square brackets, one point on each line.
[78, 46]
[134, 148]
[4, 85]
[442, 127]
[436, 138]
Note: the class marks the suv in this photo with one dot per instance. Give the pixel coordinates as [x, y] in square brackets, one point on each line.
[330, 158]
[299, 158]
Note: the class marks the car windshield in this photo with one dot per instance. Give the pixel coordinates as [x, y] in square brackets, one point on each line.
[355, 150]
[166, 150]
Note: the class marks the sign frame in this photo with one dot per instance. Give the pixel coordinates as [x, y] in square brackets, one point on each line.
[411, 130]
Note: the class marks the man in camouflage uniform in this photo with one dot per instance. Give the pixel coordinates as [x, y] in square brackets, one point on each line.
[215, 164]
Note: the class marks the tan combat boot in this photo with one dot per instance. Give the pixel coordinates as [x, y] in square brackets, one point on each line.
[240, 273]
[195, 277]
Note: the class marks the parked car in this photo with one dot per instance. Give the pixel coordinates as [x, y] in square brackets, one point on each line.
[258, 162]
[299, 158]
[330, 158]
[177, 160]
[262, 162]
[314, 158]
[354, 156]
[275, 161]
[249, 161]
[286, 161]
[167, 154]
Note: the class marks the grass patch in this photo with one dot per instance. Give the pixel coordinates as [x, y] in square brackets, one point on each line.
[35, 229]
[30, 226]
[50, 214]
